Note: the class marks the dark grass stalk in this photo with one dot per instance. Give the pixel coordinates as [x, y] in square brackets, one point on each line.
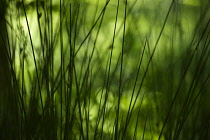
[107, 85]
[107, 78]
[23, 90]
[90, 58]
[199, 68]
[39, 15]
[153, 52]
[8, 92]
[102, 105]
[62, 63]
[92, 27]
[128, 116]
[116, 135]
[188, 65]
[137, 120]
[145, 123]
[199, 104]
[98, 117]
[70, 77]
[34, 57]
[150, 59]
[85, 80]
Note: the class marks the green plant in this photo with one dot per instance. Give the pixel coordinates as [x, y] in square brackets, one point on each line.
[105, 70]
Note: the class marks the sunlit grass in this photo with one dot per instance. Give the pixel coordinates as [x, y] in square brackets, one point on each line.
[108, 70]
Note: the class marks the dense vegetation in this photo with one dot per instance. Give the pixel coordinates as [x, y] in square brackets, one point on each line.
[108, 69]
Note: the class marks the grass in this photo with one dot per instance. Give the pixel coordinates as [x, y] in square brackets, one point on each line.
[105, 70]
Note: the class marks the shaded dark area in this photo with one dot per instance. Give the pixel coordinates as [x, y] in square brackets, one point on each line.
[9, 111]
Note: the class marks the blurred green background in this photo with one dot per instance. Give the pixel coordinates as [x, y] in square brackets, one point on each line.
[109, 69]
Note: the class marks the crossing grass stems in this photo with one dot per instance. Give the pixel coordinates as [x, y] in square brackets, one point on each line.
[78, 83]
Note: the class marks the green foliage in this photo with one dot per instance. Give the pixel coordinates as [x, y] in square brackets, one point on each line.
[105, 70]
